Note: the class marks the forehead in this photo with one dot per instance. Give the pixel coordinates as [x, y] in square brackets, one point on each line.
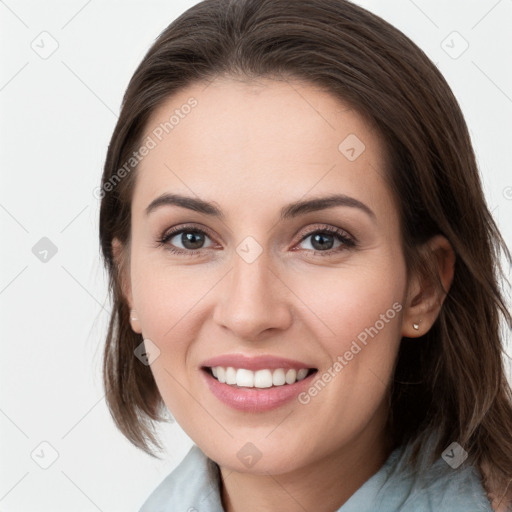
[236, 142]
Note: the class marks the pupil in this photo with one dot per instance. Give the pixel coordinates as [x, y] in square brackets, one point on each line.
[320, 240]
[192, 238]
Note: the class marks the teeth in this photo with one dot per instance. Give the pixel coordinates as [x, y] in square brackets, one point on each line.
[278, 377]
[291, 376]
[301, 374]
[230, 375]
[259, 379]
[221, 374]
[244, 378]
[263, 379]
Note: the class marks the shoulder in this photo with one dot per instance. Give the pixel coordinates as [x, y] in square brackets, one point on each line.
[501, 500]
[437, 487]
[193, 485]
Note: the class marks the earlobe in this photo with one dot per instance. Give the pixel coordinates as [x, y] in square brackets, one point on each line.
[426, 294]
[134, 322]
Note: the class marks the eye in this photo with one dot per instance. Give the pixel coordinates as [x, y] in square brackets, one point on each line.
[192, 240]
[323, 241]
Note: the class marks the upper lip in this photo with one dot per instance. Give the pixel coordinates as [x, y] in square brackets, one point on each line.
[254, 362]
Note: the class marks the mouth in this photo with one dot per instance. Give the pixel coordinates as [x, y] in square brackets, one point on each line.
[260, 379]
[256, 384]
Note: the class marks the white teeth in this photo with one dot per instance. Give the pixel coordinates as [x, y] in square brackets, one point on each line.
[263, 379]
[230, 375]
[258, 379]
[291, 376]
[244, 378]
[278, 378]
[221, 374]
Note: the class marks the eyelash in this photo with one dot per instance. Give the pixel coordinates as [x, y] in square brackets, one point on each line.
[347, 241]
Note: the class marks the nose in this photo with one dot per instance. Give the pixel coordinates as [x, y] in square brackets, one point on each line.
[253, 301]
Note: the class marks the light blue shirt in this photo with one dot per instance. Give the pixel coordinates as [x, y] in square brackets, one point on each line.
[194, 486]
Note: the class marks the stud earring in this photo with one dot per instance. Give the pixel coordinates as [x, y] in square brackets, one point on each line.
[416, 326]
[135, 322]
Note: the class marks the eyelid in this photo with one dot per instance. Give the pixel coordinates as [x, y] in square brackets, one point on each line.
[315, 228]
[186, 227]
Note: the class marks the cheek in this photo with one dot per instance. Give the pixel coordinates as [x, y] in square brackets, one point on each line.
[348, 301]
[362, 311]
[167, 300]
[362, 307]
[167, 296]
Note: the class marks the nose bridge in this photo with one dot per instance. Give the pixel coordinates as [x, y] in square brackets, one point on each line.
[252, 298]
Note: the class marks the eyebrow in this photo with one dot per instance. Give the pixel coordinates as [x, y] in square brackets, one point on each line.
[287, 212]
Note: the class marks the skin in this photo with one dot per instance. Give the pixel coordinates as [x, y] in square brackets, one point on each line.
[252, 148]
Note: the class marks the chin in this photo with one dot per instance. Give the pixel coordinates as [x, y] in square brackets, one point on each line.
[257, 458]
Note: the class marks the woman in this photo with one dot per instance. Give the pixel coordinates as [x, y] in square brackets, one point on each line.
[303, 268]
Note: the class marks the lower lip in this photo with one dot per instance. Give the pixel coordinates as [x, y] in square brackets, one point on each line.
[256, 399]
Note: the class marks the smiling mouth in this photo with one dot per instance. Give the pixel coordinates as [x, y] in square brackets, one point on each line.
[259, 379]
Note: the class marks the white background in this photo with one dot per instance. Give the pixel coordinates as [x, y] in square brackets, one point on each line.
[56, 118]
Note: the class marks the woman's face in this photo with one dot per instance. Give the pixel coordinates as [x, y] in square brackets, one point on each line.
[261, 284]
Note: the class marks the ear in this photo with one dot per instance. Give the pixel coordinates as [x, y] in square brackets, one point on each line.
[123, 271]
[424, 296]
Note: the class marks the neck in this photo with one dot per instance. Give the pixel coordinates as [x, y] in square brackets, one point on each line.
[323, 486]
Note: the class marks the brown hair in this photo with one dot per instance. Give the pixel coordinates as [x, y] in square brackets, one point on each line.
[452, 380]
